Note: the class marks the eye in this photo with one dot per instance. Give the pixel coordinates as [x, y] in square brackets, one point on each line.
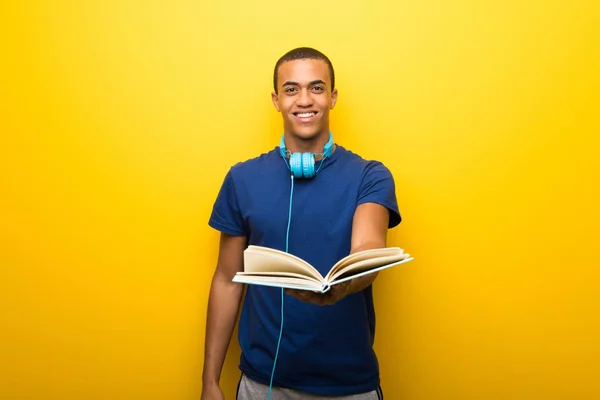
[290, 90]
[318, 88]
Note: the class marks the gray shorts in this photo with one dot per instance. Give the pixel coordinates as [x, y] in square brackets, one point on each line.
[252, 390]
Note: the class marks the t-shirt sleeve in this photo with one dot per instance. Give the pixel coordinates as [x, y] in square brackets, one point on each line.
[378, 186]
[226, 215]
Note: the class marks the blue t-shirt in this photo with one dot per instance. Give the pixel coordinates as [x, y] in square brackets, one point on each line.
[324, 349]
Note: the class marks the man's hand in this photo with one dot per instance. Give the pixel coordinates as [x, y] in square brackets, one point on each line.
[212, 392]
[338, 292]
[335, 294]
[306, 296]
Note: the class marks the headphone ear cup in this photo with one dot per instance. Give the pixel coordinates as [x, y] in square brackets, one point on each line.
[308, 165]
[296, 164]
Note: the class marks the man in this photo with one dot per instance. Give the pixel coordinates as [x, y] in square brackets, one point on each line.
[323, 346]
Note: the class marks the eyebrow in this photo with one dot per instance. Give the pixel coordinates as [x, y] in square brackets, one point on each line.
[290, 83]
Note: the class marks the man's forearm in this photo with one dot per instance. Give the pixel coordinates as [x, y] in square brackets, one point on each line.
[223, 307]
[358, 284]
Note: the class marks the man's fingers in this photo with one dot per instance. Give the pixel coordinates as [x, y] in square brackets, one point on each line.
[299, 294]
[311, 297]
[306, 296]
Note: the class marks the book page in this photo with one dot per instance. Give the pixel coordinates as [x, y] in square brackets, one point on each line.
[279, 282]
[365, 255]
[249, 275]
[356, 274]
[264, 259]
[365, 265]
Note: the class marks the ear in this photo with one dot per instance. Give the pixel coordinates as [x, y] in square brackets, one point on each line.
[334, 96]
[275, 99]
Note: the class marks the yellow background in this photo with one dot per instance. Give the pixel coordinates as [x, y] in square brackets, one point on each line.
[118, 121]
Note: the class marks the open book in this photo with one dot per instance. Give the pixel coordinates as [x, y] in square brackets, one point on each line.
[270, 267]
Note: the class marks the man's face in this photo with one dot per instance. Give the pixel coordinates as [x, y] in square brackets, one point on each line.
[305, 97]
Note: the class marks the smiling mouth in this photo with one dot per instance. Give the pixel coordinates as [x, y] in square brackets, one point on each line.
[305, 116]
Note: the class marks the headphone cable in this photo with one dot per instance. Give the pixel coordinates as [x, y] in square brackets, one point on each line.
[287, 238]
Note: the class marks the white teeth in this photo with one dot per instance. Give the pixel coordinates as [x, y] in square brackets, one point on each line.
[306, 115]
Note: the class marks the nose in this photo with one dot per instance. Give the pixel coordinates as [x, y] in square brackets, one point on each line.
[304, 98]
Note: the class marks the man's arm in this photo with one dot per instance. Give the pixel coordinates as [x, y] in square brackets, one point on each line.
[223, 306]
[369, 231]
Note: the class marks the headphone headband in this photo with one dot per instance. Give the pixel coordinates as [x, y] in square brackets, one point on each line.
[303, 164]
[327, 149]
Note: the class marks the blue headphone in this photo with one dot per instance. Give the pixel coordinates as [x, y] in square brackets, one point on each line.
[303, 164]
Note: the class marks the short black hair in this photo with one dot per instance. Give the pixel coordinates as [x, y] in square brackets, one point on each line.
[303, 53]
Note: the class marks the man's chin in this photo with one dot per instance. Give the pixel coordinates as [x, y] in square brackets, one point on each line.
[306, 134]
